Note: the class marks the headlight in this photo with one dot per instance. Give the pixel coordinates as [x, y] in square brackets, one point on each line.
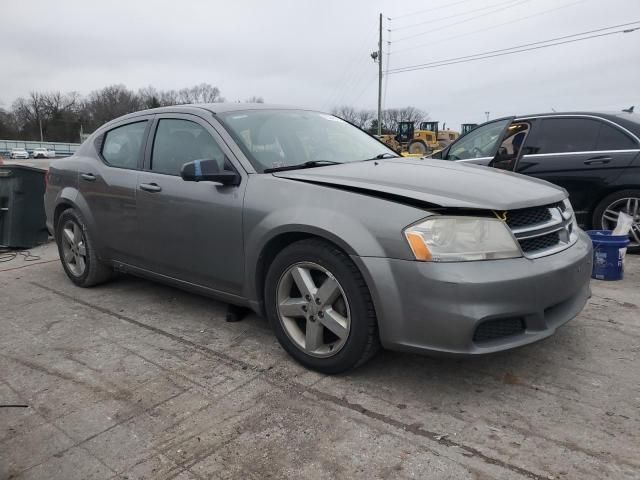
[461, 239]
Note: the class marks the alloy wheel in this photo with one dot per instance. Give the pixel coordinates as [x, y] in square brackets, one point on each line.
[630, 206]
[313, 309]
[74, 250]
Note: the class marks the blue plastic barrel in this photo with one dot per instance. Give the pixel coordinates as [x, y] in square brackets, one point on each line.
[608, 254]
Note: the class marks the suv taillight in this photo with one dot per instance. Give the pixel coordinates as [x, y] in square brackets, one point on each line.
[46, 178]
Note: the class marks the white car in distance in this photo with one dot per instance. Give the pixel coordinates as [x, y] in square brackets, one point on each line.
[43, 153]
[18, 153]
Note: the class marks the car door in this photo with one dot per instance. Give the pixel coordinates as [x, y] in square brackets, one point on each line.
[583, 154]
[190, 231]
[108, 185]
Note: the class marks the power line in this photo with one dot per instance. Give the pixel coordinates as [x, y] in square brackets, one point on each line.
[427, 10]
[484, 55]
[468, 12]
[492, 27]
[491, 12]
[353, 70]
[529, 44]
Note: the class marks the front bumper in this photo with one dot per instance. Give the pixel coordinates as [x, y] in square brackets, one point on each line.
[438, 307]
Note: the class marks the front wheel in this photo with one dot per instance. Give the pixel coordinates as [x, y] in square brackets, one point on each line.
[608, 210]
[320, 307]
[418, 148]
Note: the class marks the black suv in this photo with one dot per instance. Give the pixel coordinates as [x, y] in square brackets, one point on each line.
[595, 156]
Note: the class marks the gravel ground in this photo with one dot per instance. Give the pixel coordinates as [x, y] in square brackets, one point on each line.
[137, 380]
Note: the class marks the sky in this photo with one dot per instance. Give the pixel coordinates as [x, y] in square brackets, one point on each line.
[316, 53]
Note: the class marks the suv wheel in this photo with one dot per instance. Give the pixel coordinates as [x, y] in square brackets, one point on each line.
[320, 307]
[606, 214]
[77, 252]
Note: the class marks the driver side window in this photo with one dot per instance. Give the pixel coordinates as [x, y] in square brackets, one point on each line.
[180, 141]
[480, 142]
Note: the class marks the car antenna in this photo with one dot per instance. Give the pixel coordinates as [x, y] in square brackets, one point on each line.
[628, 110]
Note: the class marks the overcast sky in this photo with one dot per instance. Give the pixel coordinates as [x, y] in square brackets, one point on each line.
[316, 53]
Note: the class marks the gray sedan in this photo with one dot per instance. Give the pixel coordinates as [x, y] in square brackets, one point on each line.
[300, 216]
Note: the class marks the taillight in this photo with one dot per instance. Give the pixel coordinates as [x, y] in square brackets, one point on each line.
[46, 178]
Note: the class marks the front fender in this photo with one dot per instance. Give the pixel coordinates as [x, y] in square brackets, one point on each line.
[361, 225]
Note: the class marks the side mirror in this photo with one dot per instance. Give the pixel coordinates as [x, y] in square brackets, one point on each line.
[208, 171]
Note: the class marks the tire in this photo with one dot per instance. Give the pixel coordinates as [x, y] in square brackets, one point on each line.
[93, 272]
[418, 147]
[619, 201]
[322, 259]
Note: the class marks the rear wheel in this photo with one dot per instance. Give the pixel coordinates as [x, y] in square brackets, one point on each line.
[608, 210]
[320, 307]
[77, 252]
[418, 148]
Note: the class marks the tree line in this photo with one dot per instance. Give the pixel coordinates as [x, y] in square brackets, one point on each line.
[60, 117]
[368, 119]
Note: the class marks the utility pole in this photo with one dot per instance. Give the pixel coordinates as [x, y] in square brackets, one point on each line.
[380, 77]
[40, 123]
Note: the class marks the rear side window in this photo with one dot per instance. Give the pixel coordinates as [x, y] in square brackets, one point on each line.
[180, 141]
[612, 138]
[122, 146]
[562, 135]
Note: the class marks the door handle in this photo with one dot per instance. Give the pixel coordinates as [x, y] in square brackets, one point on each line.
[150, 187]
[597, 161]
[89, 177]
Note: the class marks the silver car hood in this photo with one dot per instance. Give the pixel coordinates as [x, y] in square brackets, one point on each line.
[437, 182]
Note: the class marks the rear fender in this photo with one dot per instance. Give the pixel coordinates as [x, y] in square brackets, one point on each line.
[73, 198]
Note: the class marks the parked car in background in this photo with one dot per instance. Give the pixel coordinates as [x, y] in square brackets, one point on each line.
[43, 153]
[18, 153]
[595, 156]
[304, 217]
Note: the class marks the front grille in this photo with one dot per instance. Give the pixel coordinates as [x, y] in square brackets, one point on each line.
[498, 328]
[541, 230]
[528, 216]
[549, 240]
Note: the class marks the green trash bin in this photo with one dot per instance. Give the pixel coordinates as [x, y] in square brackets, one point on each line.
[22, 217]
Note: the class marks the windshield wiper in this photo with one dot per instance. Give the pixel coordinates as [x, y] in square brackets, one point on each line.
[380, 156]
[310, 164]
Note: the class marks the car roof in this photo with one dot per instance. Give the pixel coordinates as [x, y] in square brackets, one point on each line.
[630, 121]
[214, 108]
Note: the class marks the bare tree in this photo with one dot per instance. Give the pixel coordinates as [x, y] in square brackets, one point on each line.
[346, 112]
[203, 93]
[392, 116]
[109, 103]
[149, 97]
[254, 99]
[363, 118]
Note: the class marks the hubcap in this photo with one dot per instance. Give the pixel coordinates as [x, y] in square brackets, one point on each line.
[313, 309]
[74, 250]
[630, 206]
